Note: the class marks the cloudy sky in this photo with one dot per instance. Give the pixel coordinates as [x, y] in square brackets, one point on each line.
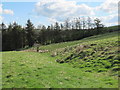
[50, 11]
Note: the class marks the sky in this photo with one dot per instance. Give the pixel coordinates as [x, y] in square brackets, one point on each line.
[47, 12]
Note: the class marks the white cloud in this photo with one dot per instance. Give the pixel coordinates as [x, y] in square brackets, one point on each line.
[1, 18]
[52, 20]
[110, 20]
[0, 8]
[5, 11]
[109, 6]
[61, 9]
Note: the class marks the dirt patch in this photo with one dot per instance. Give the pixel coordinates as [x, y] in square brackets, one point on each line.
[40, 51]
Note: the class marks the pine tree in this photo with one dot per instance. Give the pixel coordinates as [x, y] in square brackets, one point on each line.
[98, 25]
[30, 33]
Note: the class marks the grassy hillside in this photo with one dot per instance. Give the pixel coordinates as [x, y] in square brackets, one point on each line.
[53, 47]
[83, 65]
[100, 54]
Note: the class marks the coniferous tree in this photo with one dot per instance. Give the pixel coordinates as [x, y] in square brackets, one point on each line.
[52, 27]
[30, 33]
[16, 37]
[61, 26]
[56, 26]
[83, 23]
[98, 25]
[89, 22]
[67, 24]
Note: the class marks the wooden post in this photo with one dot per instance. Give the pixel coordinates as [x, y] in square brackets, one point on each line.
[37, 48]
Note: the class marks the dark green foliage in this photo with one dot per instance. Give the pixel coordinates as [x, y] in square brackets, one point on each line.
[14, 37]
[30, 33]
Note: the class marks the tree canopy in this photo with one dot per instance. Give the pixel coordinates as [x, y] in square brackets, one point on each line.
[15, 36]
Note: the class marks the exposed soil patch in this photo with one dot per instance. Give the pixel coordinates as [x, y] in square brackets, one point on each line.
[40, 51]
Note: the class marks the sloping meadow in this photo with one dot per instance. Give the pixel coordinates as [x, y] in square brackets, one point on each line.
[88, 63]
[99, 54]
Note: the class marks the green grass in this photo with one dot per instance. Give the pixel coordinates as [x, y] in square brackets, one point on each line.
[39, 70]
[99, 54]
[52, 47]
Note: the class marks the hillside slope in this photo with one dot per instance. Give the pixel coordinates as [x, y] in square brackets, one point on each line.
[99, 53]
[23, 69]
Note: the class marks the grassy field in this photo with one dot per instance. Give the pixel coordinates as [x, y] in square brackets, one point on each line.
[23, 69]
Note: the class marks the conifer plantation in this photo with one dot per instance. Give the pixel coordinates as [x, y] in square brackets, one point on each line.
[16, 36]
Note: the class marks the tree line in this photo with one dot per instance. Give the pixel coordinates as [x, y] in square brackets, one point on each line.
[14, 36]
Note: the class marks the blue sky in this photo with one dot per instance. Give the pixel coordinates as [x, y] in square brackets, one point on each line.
[47, 12]
[22, 12]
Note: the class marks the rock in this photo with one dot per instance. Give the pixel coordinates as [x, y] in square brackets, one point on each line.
[93, 44]
[110, 57]
[42, 51]
[116, 69]
[54, 54]
[59, 61]
[8, 76]
[88, 71]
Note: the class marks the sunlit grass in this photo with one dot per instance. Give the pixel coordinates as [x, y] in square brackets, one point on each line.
[39, 70]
